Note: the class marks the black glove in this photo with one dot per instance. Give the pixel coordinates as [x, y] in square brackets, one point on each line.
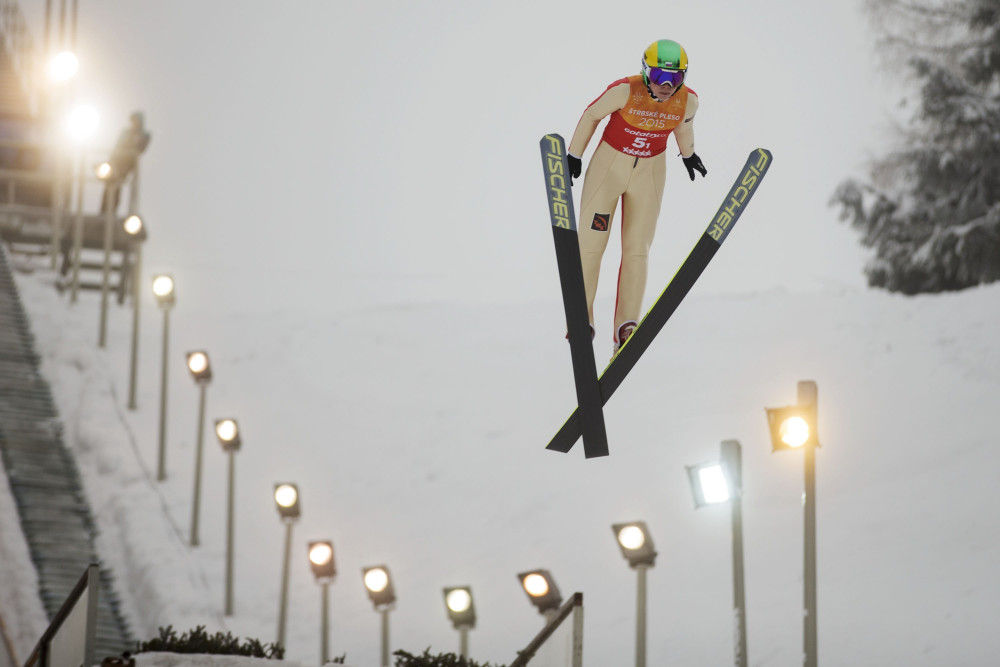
[693, 164]
[575, 167]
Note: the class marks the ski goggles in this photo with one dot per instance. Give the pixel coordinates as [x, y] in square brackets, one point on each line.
[665, 77]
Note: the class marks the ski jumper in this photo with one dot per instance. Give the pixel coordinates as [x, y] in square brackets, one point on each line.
[629, 164]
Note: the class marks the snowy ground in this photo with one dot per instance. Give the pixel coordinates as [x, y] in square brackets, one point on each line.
[415, 430]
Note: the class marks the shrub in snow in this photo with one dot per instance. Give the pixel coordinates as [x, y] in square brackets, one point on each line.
[199, 641]
[404, 659]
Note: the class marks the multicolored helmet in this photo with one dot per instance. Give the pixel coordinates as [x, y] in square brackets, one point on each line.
[664, 62]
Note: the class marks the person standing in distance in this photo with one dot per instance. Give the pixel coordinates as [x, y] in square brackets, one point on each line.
[630, 164]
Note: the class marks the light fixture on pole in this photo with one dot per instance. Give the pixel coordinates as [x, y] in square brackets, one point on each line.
[542, 591]
[163, 290]
[719, 482]
[286, 498]
[324, 569]
[637, 547]
[104, 172]
[201, 371]
[378, 583]
[461, 611]
[795, 427]
[136, 230]
[228, 433]
[62, 67]
[80, 125]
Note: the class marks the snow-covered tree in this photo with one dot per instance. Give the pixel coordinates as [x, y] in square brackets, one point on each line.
[931, 210]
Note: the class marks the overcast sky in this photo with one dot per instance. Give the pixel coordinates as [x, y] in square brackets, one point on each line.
[396, 142]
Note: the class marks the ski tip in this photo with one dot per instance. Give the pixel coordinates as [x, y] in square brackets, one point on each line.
[761, 153]
[553, 140]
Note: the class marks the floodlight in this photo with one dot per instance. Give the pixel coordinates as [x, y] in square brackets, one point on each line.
[541, 589]
[635, 543]
[321, 560]
[286, 497]
[163, 289]
[792, 427]
[63, 66]
[710, 483]
[378, 583]
[228, 434]
[135, 227]
[458, 602]
[197, 363]
[81, 123]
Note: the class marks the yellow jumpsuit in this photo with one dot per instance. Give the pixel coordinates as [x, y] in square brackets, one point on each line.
[629, 164]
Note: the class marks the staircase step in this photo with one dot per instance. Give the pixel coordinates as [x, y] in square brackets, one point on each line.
[43, 477]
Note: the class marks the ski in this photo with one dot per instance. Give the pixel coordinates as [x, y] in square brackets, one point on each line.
[690, 270]
[590, 413]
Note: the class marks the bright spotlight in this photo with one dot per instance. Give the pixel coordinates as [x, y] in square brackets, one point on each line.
[631, 537]
[378, 583]
[541, 589]
[635, 543]
[792, 427]
[132, 225]
[228, 434]
[82, 122]
[63, 66]
[163, 289]
[794, 431]
[321, 560]
[286, 495]
[458, 600]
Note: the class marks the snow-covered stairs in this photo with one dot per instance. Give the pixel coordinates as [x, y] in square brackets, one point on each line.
[44, 480]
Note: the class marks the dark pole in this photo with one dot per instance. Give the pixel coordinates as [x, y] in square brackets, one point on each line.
[640, 615]
[324, 649]
[230, 510]
[72, 33]
[48, 29]
[285, 569]
[733, 459]
[808, 396]
[199, 446]
[109, 221]
[161, 459]
[136, 299]
[62, 24]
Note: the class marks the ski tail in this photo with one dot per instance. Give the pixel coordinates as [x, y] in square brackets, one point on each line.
[663, 308]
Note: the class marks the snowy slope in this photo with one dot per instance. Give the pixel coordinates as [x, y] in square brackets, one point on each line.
[415, 430]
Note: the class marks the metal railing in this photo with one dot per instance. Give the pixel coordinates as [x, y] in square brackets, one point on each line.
[70, 638]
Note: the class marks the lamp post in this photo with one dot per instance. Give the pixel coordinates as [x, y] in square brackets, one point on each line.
[63, 66]
[637, 547]
[324, 569]
[109, 221]
[461, 611]
[136, 229]
[163, 290]
[542, 591]
[201, 371]
[795, 427]
[286, 498]
[378, 583]
[228, 434]
[80, 124]
[719, 482]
